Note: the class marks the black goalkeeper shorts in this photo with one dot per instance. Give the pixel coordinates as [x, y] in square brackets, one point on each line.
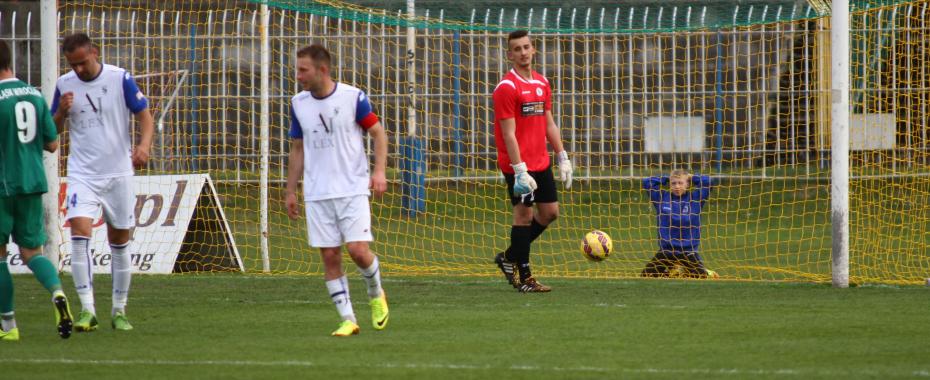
[545, 188]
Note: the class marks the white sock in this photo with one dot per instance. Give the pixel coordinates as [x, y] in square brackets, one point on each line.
[7, 321]
[82, 270]
[121, 268]
[339, 292]
[372, 276]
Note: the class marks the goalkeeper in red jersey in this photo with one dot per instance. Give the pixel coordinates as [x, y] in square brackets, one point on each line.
[678, 215]
[523, 123]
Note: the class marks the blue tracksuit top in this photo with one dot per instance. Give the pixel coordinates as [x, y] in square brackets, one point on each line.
[679, 218]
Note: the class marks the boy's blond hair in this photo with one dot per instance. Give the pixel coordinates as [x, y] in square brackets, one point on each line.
[681, 173]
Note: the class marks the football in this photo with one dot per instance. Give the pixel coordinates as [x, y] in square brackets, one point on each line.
[596, 246]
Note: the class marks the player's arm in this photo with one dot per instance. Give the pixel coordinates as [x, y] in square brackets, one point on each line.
[554, 135]
[51, 146]
[49, 129]
[140, 155]
[61, 105]
[509, 131]
[505, 111]
[523, 182]
[295, 167]
[378, 177]
[366, 118]
[700, 180]
[654, 183]
[138, 104]
[654, 186]
[702, 185]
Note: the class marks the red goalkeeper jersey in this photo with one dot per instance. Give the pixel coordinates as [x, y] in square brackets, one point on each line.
[526, 101]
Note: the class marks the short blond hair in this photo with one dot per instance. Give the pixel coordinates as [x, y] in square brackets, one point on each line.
[681, 173]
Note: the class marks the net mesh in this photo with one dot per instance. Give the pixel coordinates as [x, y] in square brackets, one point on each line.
[741, 95]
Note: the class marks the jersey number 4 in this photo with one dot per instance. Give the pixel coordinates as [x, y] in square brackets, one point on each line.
[26, 121]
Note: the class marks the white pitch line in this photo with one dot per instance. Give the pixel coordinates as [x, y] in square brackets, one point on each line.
[531, 368]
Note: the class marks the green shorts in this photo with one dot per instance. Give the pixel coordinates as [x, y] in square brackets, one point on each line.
[24, 218]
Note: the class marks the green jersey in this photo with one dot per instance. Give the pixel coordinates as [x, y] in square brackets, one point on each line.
[26, 125]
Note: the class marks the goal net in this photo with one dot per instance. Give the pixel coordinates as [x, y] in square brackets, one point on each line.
[740, 93]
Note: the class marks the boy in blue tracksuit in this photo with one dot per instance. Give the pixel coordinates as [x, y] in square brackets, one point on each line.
[678, 213]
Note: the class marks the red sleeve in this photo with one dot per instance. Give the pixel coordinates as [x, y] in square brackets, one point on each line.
[505, 101]
[369, 121]
[364, 115]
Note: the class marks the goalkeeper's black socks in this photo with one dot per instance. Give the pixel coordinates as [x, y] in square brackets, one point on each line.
[536, 229]
[519, 244]
[520, 239]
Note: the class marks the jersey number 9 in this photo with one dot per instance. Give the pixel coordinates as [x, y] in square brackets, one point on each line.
[26, 121]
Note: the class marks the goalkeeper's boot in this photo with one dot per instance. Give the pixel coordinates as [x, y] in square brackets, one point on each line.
[508, 269]
[346, 328]
[63, 316]
[120, 322]
[10, 336]
[712, 274]
[86, 322]
[530, 285]
[379, 312]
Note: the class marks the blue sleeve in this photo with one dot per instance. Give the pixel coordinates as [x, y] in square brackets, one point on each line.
[702, 185]
[296, 131]
[654, 185]
[135, 101]
[363, 108]
[55, 100]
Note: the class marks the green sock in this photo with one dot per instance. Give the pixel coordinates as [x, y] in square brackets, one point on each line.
[45, 272]
[6, 288]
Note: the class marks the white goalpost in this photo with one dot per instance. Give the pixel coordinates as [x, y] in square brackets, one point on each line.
[264, 125]
[49, 74]
[839, 125]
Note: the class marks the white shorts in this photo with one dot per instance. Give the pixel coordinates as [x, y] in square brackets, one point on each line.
[85, 198]
[332, 222]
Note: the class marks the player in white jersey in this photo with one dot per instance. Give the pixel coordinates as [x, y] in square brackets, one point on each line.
[99, 101]
[328, 124]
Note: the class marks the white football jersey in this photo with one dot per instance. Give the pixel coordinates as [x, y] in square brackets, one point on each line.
[100, 121]
[332, 129]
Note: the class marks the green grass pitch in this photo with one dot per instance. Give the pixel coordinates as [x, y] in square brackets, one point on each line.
[255, 326]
